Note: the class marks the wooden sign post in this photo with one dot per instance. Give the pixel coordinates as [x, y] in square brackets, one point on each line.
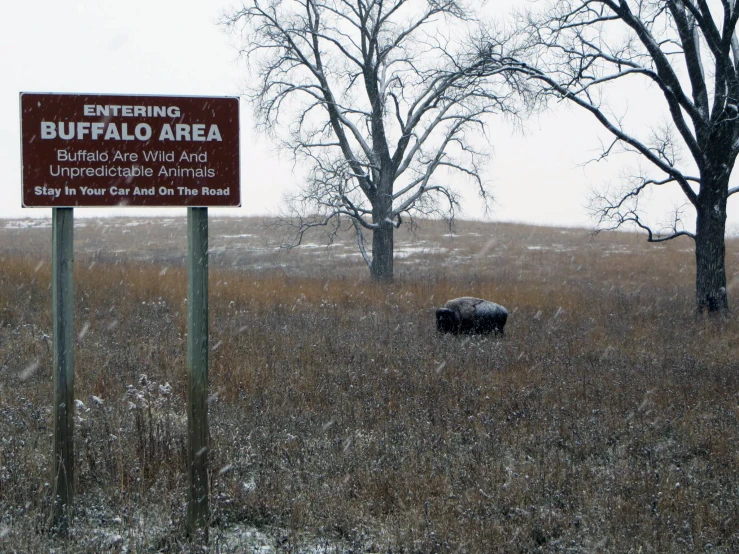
[95, 150]
[62, 291]
[197, 372]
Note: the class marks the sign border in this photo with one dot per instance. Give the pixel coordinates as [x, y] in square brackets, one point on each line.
[134, 95]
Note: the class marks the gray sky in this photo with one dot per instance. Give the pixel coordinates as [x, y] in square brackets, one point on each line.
[176, 48]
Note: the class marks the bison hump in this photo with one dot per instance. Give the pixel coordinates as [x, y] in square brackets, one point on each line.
[490, 309]
[464, 306]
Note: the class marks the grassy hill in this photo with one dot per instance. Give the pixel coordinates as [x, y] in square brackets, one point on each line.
[605, 420]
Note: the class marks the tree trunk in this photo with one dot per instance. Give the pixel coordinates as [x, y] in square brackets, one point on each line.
[710, 254]
[382, 252]
[382, 237]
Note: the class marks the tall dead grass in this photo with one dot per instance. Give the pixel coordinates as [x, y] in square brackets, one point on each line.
[605, 420]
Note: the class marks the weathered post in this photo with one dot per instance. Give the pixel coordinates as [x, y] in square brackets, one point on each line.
[197, 373]
[63, 333]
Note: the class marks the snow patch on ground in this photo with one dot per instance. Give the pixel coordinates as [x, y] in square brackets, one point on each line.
[553, 248]
[407, 251]
[28, 224]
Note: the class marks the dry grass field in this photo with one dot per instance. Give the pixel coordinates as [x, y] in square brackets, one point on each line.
[605, 421]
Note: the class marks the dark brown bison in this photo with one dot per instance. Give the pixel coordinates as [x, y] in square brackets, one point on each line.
[472, 316]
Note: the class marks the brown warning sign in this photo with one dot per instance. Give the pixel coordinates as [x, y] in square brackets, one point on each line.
[109, 150]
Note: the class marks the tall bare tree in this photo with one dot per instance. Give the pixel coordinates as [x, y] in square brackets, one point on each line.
[378, 98]
[688, 49]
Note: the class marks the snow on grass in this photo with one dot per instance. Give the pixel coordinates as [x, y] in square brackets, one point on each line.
[407, 251]
[553, 248]
[28, 224]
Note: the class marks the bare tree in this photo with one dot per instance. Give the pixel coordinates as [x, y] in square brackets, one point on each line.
[378, 98]
[689, 50]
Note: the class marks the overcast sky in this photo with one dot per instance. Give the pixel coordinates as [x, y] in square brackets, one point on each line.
[175, 48]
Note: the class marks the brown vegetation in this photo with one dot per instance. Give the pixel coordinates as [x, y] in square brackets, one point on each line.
[605, 421]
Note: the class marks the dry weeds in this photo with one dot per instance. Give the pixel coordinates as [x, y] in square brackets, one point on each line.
[605, 421]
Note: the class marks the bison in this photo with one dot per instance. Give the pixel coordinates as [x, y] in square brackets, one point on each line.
[472, 316]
